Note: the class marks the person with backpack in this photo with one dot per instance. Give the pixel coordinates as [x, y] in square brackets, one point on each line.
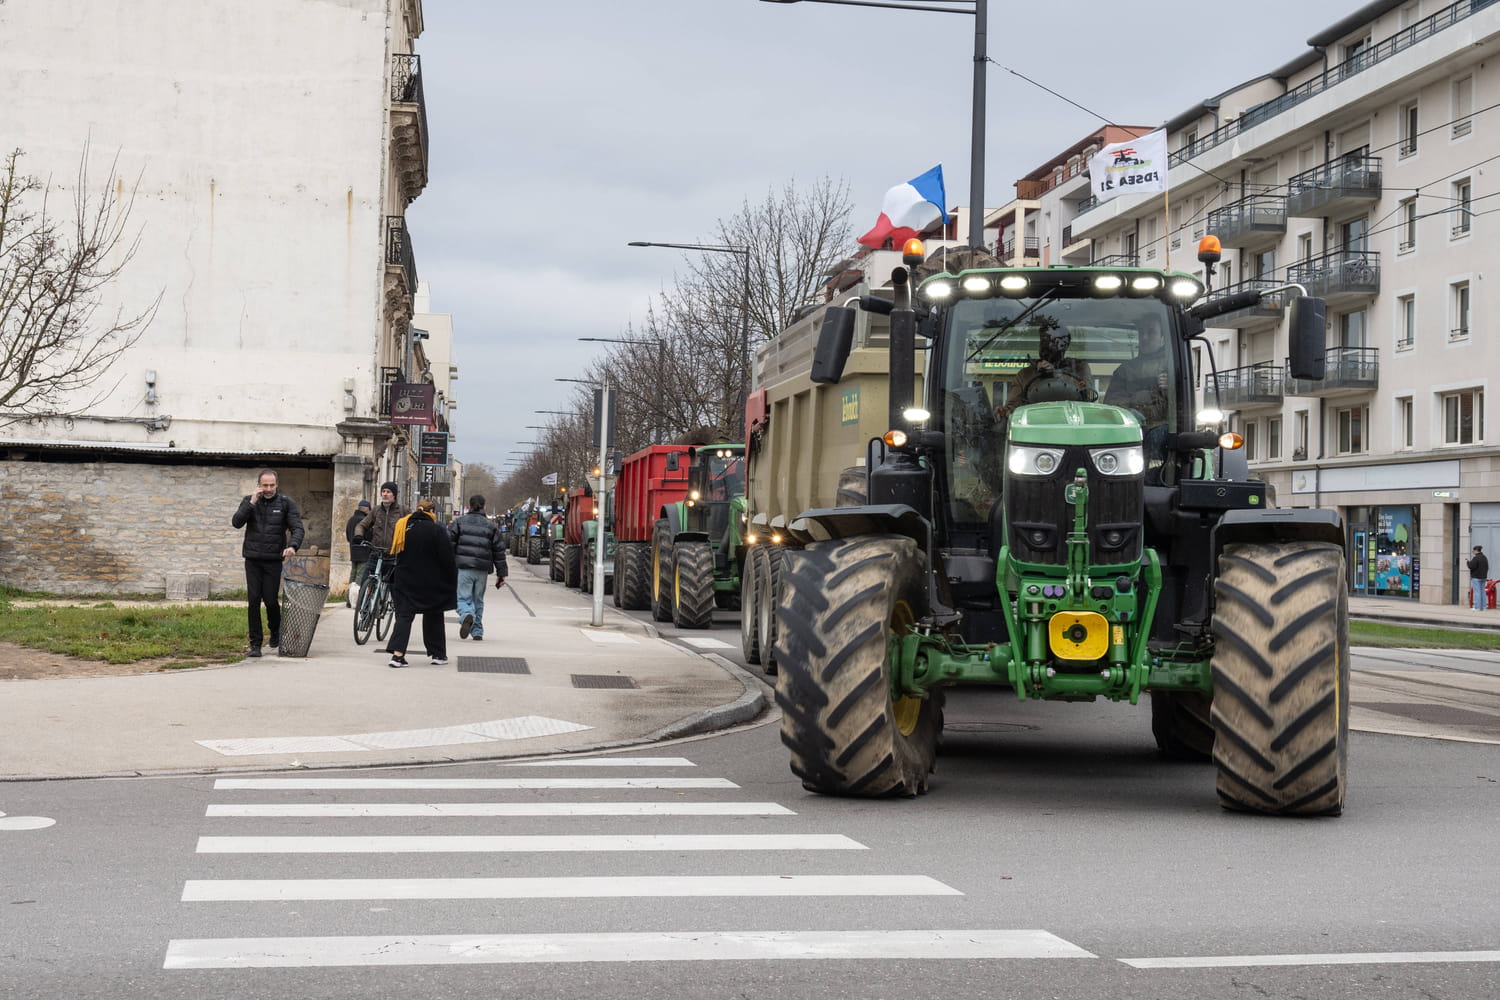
[478, 548]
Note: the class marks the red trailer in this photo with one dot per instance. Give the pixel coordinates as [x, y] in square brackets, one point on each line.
[579, 507]
[649, 480]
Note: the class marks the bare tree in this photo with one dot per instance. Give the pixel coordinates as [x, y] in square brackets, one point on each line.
[53, 272]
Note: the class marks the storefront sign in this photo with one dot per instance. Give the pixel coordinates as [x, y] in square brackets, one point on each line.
[412, 403]
[434, 448]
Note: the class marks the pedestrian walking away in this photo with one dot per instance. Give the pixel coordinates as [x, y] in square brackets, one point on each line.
[425, 583]
[1479, 571]
[273, 532]
[478, 548]
[359, 551]
[379, 529]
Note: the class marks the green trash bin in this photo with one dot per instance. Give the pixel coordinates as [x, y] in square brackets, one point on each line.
[301, 607]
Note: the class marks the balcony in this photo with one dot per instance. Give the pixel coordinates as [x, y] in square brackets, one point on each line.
[1339, 277]
[1350, 371]
[1254, 385]
[1031, 249]
[1266, 312]
[409, 140]
[1257, 221]
[1343, 186]
[1075, 250]
[400, 271]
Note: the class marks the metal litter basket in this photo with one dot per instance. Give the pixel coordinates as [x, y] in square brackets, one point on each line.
[301, 606]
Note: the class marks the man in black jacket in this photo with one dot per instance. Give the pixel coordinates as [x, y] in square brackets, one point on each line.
[478, 548]
[359, 551]
[273, 532]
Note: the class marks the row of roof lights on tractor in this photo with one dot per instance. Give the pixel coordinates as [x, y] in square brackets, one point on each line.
[1107, 284]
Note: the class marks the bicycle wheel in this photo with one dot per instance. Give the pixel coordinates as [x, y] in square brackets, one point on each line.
[364, 610]
[385, 617]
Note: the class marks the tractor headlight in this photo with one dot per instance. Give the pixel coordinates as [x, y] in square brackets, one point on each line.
[1127, 461]
[1028, 461]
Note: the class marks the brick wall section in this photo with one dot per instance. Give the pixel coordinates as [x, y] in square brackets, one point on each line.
[104, 527]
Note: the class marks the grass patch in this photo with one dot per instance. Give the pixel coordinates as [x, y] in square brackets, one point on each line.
[102, 631]
[1408, 636]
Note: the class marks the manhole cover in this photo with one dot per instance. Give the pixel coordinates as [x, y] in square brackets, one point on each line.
[602, 681]
[988, 727]
[492, 665]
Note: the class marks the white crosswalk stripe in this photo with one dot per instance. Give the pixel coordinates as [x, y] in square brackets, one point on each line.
[356, 809]
[528, 844]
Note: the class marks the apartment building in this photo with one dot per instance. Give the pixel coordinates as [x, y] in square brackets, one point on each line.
[1362, 170]
[272, 149]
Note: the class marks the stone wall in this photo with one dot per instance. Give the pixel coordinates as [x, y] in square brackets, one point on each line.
[114, 527]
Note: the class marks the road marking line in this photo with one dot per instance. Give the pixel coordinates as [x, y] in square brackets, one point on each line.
[535, 843]
[520, 728]
[271, 890]
[353, 809]
[1348, 958]
[675, 946]
[345, 784]
[605, 762]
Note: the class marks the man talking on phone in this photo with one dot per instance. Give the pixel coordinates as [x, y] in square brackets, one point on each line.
[273, 532]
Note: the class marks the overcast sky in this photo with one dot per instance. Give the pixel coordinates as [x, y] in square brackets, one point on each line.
[563, 130]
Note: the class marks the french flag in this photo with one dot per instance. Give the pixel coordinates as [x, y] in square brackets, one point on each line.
[908, 209]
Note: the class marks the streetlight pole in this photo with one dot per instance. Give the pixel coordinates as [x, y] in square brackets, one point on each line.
[658, 427]
[744, 253]
[980, 13]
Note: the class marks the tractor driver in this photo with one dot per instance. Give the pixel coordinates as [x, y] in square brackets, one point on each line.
[1141, 385]
[1053, 375]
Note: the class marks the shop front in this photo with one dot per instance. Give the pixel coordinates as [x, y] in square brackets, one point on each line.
[1383, 551]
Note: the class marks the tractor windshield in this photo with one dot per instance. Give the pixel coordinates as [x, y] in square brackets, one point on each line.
[1001, 354]
[726, 477]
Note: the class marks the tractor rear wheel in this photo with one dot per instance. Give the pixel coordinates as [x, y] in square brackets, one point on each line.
[1281, 678]
[661, 573]
[750, 609]
[633, 566]
[1180, 722]
[692, 585]
[768, 577]
[534, 550]
[841, 604]
[555, 564]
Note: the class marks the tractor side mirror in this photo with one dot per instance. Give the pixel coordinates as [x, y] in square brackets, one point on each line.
[1306, 355]
[672, 464]
[835, 340]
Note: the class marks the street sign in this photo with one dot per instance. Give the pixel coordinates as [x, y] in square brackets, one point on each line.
[434, 448]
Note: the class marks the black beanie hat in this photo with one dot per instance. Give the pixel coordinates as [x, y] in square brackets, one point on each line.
[391, 487]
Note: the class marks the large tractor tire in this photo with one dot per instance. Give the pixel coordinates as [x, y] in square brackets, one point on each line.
[534, 550]
[841, 602]
[570, 566]
[749, 610]
[692, 585]
[1281, 678]
[555, 564]
[633, 567]
[1181, 724]
[768, 576]
[853, 488]
[661, 573]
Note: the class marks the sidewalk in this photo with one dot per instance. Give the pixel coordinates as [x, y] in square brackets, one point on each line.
[543, 680]
[1397, 611]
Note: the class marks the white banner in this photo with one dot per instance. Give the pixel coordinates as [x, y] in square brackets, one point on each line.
[550, 479]
[1135, 166]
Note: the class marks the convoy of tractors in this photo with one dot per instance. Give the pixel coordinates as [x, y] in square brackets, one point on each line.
[986, 475]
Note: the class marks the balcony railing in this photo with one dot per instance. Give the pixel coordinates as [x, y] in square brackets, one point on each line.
[1031, 244]
[1267, 310]
[1258, 218]
[1259, 384]
[398, 252]
[388, 378]
[1119, 260]
[1349, 370]
[1372, 56]
[1338, 275]
[409, 120]
[1334, 187]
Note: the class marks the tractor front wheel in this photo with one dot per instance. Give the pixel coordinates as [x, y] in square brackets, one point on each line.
[661, 573]
[1180, 722]
[1281, 678]
[693, 585]
[534, 550]
[633, 567]
[570, 566]
[840, 606]
[768, 583]
[750, 610]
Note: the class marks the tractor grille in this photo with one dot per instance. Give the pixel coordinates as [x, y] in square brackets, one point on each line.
[1039, 518]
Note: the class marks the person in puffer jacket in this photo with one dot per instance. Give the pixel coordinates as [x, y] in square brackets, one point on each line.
[273, 532]
[478, 547]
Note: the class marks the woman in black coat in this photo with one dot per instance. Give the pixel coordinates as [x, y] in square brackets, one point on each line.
[426, 581]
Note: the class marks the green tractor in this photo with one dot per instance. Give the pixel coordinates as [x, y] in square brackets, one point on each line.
[1064, 523]
[698, 545]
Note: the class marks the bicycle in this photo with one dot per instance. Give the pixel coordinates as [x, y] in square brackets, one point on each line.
[374, 610]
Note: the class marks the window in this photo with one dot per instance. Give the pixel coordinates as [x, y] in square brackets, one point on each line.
[1409, 130]
[1304, 246]
[1273, 437]
[1351, 423]
[1265, 265]
[1352, 327]
[1462, 207]
[1404, 422]
[1458, 307]
[1249, 432]
[1299, 435]
[1189, 137]
[1149, 234]
[1406, 229]
[1463, 106]
[1406, 322]
[1463, 417]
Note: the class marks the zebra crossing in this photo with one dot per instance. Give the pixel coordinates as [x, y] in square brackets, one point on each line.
[514, 800]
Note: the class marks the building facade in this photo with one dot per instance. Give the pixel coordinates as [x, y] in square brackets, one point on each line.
[1361, 171]
[269, 152]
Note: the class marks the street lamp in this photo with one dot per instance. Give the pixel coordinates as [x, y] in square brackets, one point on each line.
[980, 13]
[658, 428]
[744, 252]
[581, 381]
